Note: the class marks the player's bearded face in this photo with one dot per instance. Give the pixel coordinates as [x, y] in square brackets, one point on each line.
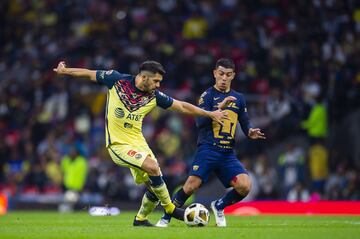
[152, 82]
[223, 77]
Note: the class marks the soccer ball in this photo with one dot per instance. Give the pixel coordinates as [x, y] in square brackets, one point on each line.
[196, 214]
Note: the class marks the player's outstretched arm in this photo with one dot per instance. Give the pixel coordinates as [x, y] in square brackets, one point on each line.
[187, 108]
[61, 69]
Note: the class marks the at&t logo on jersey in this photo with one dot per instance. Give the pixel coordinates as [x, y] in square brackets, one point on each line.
[134, 117]
[119, 113]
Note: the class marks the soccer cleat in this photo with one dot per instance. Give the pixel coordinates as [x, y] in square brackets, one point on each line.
[219, 215]
[145, 223]
[162, 223]
[178, 213]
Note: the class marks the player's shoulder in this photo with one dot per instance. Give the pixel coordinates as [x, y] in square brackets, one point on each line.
[110, 77]
[163, 100]
[207, 92]
[159, 93]
[237, 95]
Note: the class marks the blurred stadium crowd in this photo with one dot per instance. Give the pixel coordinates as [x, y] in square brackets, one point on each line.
[297, 63]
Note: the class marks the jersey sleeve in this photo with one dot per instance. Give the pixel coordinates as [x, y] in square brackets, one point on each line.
[109, 78]
[205, 103]
[244, 117]
[162, 100]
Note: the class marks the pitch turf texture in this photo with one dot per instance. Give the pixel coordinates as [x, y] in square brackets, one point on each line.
[81, 225]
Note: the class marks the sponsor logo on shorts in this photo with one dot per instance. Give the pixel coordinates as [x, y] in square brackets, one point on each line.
[138, 156]
[131, 153]
[195, 167]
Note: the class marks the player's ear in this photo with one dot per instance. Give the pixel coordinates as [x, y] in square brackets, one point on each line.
[143, 77]
[214, 72]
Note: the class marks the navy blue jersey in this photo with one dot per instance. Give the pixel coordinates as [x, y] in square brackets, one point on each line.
[214, 134]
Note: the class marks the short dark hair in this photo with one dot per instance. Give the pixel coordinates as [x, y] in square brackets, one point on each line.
[226, 63]
[153, 67]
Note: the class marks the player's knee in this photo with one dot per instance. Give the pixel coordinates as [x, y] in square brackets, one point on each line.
[190, 188]
[191, 185]
[243, 188]
[153, 169]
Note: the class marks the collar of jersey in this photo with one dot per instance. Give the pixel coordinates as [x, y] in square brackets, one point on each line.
[133, 84]
[221, 91]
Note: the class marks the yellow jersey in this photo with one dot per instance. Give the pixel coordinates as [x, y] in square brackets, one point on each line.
[126, 108]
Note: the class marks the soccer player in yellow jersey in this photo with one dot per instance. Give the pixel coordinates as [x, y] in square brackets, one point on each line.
[129, 100]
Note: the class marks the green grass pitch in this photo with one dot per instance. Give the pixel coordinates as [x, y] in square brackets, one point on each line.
[49, 225]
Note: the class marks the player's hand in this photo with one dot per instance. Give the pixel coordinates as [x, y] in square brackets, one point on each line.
[256, 134]
[218, 116]
[226, 101]
[60, 68]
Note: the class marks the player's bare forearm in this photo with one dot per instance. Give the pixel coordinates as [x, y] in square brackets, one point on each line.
[79, 72]
[75, 72]
[187, 108]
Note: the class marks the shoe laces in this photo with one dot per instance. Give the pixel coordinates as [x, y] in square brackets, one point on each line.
[220, 213]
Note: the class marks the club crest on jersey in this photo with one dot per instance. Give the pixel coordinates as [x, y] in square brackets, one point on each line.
[119, 113]
[195, 167]
[138, 156]
[201, 101]
[233, 105]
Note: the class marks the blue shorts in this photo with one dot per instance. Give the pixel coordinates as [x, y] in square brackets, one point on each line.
[224, 164]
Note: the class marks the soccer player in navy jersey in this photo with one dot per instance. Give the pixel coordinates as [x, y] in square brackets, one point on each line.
[215, 152]
[129, 100]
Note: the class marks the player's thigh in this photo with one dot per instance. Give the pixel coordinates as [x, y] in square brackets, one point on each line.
[132, 157]
[202, 166]
[229, 170]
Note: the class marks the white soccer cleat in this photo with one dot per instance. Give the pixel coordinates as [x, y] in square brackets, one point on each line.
[219, 215]
[162, 223]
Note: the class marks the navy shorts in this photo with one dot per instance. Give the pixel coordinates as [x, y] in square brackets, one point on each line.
[224, 164]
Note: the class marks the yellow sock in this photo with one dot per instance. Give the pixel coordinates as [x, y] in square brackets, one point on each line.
[147, 206]
[169, 208]
[163, 195]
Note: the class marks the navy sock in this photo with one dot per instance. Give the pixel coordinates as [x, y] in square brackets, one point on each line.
[156, 181]
[228, 199]
[151, 196]
[179, 200]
